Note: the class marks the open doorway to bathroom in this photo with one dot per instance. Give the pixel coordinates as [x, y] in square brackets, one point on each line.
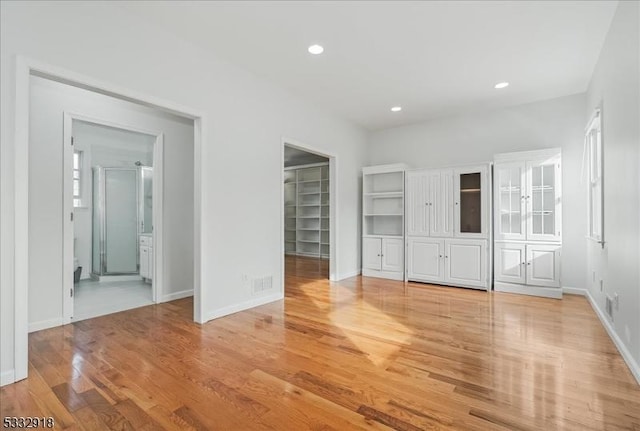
[307, 214]
[111, 189]
[100, 197]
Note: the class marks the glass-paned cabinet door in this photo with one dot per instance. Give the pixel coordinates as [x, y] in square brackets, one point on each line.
[510, 209]
[543, 200]
[470, 202]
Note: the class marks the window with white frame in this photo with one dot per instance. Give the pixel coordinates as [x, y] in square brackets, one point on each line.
[77, 179]
[593, 146]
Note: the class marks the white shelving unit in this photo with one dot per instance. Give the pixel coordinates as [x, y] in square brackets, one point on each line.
[306, 210]
[383, 221]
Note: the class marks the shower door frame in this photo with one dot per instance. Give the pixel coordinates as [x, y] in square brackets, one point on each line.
[68, 228]
[101, 207]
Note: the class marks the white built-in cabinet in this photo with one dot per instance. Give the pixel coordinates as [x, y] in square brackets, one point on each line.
[383, 254]
[306, 210]
[146, 257]
[383, 221]
[448, 226]
[528, 222]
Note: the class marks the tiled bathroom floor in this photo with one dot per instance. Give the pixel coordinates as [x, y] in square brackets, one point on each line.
[93, 298]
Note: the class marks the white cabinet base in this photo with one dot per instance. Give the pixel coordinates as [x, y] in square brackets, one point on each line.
[466, 262]
[383, 274]
[425, 259]
[383, 257]
[146, 257]
[528, 269]
[546, 292]
[449, 262]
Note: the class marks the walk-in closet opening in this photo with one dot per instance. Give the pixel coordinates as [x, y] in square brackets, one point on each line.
[307, 213]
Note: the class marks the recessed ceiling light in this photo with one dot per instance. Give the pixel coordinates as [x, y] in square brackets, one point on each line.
[396, 109]
[316, 49]
[501, 85]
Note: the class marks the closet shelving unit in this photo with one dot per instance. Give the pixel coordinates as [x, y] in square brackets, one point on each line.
[290, 189]
[307, 210]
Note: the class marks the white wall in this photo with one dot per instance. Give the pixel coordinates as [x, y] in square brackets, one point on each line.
[49, 100]
[616, 87]
[243, 116]
[476, 137]
[109, 147]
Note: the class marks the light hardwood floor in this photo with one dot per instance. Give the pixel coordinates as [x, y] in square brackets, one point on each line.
[359, 354]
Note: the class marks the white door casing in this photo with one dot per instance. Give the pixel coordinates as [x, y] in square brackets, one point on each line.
[68, 223]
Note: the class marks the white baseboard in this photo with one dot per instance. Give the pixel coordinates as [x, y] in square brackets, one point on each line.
[7, 377]
[349, 274]
[626, 354]
[547, 292]
[45, 324]
[109, 278]
[176, 295]
[574, 291]
[231, 309]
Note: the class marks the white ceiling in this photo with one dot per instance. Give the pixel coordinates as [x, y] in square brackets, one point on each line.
[433, 58]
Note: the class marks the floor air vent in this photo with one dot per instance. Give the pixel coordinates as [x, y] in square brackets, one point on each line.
[609, 306]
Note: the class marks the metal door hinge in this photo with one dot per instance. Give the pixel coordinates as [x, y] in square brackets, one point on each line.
[71, 217]
[72, 140]
[71, 292]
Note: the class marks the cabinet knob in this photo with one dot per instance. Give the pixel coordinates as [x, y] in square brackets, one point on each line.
[528, 263]
[522, 263]
[446, 257]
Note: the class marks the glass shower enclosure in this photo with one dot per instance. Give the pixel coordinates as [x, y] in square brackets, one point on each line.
[121, 212]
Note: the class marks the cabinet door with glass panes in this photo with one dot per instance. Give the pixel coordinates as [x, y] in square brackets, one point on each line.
[543, 200]
[510, 191]
[471, 202]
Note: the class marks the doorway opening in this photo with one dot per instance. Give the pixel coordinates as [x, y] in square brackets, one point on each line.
[39, 270]
[307, 213]
[100, 235]
[110, 186]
